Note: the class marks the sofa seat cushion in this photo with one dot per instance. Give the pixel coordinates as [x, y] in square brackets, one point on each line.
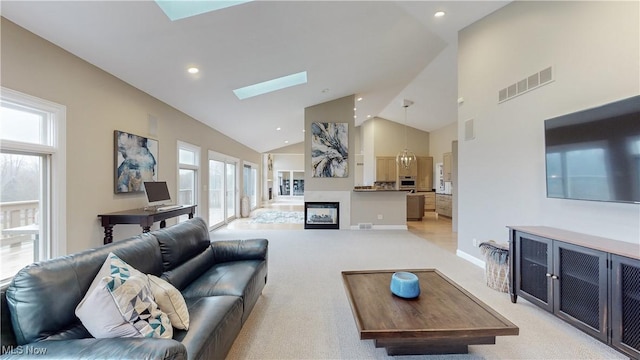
[231, 278]
[239, 278]
[215, 323]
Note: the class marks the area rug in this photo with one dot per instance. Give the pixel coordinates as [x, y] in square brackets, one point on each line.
[278, 217]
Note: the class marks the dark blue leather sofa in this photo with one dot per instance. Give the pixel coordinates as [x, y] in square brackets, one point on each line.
[221, 281]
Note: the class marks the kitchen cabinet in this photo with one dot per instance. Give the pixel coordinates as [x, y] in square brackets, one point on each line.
[386, 168]
[415, 207]
[429, 201]
[443, 205]
[447, 161]
[411, 171]
[424, 178]
[572, 276]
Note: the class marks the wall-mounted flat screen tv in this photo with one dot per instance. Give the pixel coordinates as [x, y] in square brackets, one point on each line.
[594, 154]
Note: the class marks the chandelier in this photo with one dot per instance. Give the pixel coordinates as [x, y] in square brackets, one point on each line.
[405, 158]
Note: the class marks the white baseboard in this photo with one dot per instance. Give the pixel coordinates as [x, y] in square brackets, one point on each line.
[472, 259]
[381, 227]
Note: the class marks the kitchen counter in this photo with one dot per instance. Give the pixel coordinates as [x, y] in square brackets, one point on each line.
[379, 209]
[379, 190]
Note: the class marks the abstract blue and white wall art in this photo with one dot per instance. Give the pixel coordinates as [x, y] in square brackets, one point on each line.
[136, 160]
[330, 149]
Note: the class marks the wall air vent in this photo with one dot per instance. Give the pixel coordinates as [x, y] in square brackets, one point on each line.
[469, 133]
[529, 83]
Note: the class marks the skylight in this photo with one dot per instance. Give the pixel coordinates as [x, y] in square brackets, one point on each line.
[180, 9]
[271, 85]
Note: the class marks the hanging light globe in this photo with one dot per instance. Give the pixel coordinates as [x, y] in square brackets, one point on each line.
[405, 158]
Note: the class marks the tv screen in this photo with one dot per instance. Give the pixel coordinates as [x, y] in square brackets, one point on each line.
[594, 154]
[157, 192]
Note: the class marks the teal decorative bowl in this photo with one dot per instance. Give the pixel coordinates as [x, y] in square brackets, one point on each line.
[405, 285]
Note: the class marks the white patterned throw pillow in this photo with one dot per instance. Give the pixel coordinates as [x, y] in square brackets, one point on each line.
[120, 303]
[170, 301]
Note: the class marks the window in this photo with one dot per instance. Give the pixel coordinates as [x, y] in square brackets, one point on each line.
[32, 190]
[188, 166]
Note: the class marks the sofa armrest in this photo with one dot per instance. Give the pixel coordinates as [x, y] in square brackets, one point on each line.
[234, 250]
[115, 348]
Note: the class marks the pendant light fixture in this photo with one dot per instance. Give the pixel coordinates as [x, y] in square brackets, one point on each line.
[405, 158]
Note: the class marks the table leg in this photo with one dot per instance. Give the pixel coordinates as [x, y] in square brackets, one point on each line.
[190, 215]
[163, 223]
[146, 229]
[108, 234]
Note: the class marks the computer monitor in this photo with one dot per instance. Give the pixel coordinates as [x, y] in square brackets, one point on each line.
[157, 193]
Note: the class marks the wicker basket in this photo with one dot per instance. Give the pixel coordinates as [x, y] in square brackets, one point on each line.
[496, 265]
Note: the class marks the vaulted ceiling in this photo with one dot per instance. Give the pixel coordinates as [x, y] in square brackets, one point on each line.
[382, 51]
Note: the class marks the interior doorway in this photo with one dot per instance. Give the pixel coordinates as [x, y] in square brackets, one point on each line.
[290, 183]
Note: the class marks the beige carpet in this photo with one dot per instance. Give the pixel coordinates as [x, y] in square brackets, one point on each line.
[304, 313]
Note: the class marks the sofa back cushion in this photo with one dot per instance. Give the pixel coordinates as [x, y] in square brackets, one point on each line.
[42, 297]
[185, 273]
[182, 242]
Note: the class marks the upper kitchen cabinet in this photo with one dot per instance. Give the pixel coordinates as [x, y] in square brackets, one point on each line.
[447, 165]
[386, 168]
[424, 179]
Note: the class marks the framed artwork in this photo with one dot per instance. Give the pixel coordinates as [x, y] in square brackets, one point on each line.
[330, 149]
[136, 161]
[321, 215]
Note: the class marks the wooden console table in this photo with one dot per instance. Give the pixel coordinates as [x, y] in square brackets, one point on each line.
[145, 218]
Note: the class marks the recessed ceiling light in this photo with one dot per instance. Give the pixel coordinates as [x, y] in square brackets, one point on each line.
[355, 116]
[439, 14]
[368, 116]
[193, 70]
[325, 90]
[278, 128]
[271, 85]
[359, 99]
[286, 141]
[354, 109]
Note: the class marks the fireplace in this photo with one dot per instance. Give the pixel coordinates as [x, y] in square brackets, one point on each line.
[321, 215]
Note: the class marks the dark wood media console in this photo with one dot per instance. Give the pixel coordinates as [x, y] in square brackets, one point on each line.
[145, 218]
[591, 282]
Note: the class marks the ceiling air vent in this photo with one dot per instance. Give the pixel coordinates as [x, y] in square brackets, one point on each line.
[529, 83]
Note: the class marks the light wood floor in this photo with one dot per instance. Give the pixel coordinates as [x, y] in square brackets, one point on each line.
[432, 228]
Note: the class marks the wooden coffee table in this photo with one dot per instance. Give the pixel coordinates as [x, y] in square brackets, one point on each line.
[444, 319]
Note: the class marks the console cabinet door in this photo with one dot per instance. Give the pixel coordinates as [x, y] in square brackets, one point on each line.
[580, 287]
[534, 264]
[625, 305]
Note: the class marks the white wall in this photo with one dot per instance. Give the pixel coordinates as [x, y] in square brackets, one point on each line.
[97, 104]
[440, 141]
[594, 48]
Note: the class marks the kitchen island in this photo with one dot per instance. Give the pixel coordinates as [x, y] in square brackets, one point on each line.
[378, 209]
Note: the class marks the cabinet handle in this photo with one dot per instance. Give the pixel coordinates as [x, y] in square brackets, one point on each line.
[554, 277]
[548, 275]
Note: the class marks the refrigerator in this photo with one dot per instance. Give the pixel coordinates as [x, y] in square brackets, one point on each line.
[441, 186]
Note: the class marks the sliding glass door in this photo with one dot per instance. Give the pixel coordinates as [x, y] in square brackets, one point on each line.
[222, 189]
